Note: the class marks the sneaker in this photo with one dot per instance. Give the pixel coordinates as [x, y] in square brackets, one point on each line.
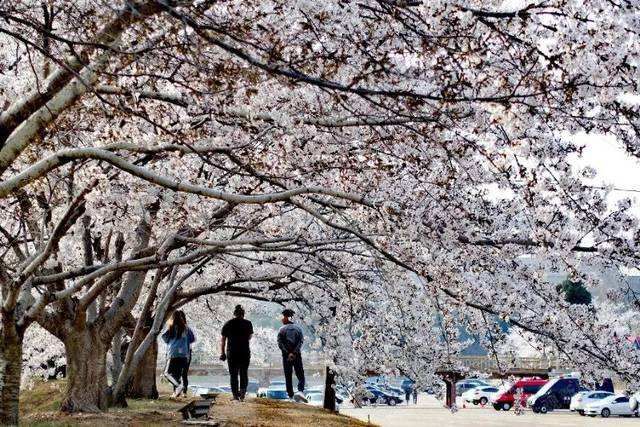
[178, 391]
[299, 397]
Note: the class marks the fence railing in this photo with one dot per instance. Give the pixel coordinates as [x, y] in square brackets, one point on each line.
[491, 364]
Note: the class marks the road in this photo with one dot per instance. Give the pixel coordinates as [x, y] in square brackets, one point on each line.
[429, 412]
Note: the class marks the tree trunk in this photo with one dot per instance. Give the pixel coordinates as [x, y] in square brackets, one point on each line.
[143, 383]
[86, 372]
[116, 355]
[10, 371]
[329, 390]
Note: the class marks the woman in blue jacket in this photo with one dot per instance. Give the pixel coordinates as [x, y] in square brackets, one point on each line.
[178, 338]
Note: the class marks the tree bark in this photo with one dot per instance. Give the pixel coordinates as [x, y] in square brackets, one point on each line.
[10, 371]
[116, 355]
[329, 390]
[86, 372]
[143, 384]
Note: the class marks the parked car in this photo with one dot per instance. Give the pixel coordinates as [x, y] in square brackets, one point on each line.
[634, 402]
[253, 386]
[505, 398]
[199, 390]
[479, 395]
[555, 394]
[476, 381]
[612, 405]
[406, 384]
[464, 386]
[376, 395]
[277, 391]
[317, 399]
[583, 398]
[262, 392]
[342, 393]
[313, 392]
[375, 380]
[390, 389]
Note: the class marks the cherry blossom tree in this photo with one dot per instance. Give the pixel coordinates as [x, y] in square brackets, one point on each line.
[414, 153]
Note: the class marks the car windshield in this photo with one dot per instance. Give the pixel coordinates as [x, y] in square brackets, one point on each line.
[545, 388]
[505, 388]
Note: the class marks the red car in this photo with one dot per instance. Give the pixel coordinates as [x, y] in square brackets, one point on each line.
[506, 397]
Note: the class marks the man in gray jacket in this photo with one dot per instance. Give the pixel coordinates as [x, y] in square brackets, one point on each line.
[290, 339]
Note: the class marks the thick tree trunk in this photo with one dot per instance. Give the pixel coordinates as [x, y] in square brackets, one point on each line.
[10, 371]
[86, 372]
[143, 383]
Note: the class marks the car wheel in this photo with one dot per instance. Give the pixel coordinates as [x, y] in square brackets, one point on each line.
[483, 401]
[535, 409]
[543, 408]
[497, 407]
[392, 402]
[581, 412]
[506, 406]
[605, 413]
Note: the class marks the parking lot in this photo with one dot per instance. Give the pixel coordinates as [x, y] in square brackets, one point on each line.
[429, 412]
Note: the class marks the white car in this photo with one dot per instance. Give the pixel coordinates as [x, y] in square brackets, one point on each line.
[612, 405]
[583, 398]
[317, 399]
[481, 394]
[634, 402]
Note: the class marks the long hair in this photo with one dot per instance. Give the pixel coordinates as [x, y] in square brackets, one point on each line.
[177, 323]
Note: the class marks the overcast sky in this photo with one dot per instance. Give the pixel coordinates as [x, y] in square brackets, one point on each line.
[614, 166]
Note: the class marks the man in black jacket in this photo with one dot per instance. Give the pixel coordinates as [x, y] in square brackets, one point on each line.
[237, 333]
[290, 339]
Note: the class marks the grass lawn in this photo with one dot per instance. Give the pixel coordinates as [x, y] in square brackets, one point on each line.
[39, 407]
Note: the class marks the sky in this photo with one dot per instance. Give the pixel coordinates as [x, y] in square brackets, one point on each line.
[614, 165]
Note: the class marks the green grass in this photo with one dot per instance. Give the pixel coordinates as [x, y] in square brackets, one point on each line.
[40, 404]
[44, 396]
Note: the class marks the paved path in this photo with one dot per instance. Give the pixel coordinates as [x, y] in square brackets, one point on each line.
[429, 412]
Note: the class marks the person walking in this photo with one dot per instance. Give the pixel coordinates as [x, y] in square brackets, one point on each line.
[234, 348]
[415, 395]
[407, 394]
[290, 339]
[178, 338]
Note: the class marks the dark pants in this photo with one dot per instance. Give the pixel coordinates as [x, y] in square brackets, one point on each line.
[289, 367]
[238, 366]
[175, 370]
[185, 375]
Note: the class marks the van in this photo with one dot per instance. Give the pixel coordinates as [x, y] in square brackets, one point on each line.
[556, 394]
[505, 398]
